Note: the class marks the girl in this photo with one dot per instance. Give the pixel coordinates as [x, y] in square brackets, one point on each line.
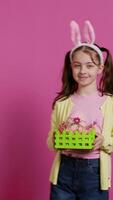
[81, 174]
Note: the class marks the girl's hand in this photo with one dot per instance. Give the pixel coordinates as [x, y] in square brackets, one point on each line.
[98, 141]
[53, 140]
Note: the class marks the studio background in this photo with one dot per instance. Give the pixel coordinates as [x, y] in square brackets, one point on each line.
[34, 37]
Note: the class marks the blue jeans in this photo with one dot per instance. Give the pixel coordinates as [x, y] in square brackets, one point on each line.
[78, 179]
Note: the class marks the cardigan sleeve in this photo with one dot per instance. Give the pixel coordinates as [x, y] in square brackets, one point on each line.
[53, 125]
[109, 147]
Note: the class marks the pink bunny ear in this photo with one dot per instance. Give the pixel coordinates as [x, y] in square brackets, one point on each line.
[75, 33]
[89, 33]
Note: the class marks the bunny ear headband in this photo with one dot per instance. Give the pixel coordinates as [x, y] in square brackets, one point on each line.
[89, 36]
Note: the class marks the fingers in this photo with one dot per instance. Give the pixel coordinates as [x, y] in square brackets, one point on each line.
[97, 146]
[98, 138]
[98, 141]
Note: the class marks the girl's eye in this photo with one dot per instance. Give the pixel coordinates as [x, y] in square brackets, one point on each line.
[77, 66]
[89, 66]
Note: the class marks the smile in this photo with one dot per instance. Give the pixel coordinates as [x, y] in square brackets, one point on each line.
[83, 77]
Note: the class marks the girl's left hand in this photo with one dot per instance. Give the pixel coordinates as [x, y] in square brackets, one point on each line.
[98, 141]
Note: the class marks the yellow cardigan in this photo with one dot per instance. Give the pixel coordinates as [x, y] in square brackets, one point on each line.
[60, 113]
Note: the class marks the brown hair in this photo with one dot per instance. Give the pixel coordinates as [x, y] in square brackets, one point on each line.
[69, 85]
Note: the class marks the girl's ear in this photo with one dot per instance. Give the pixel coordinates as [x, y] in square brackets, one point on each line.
[100, 70]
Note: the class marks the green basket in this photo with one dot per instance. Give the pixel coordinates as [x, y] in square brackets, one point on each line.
[74, 140]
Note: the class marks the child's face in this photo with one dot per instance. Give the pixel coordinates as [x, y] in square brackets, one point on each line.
[84, 70]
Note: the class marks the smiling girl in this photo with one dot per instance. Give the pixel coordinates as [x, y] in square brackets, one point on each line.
[76, 174]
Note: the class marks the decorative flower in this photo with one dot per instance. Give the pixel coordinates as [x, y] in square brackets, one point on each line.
[76, 120]
[94, 122]
[89, 127]
[62, 127]
[97, 127]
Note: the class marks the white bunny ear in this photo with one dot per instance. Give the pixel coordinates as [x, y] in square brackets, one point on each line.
[75, 33]
[89, 33]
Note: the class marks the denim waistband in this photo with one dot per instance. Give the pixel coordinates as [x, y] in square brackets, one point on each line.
[82, 161]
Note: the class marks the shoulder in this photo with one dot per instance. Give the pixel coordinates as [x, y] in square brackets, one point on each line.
[63, 101]
[109, 101]
[110, 97]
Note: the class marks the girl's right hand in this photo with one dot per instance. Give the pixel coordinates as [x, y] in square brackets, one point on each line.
[53, 141]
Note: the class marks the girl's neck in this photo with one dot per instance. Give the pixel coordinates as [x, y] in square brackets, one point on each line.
[86, 91]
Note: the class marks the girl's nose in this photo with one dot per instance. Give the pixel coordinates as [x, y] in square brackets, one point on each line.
[82, 70]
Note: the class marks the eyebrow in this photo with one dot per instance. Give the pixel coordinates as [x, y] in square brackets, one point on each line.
[81, 63]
